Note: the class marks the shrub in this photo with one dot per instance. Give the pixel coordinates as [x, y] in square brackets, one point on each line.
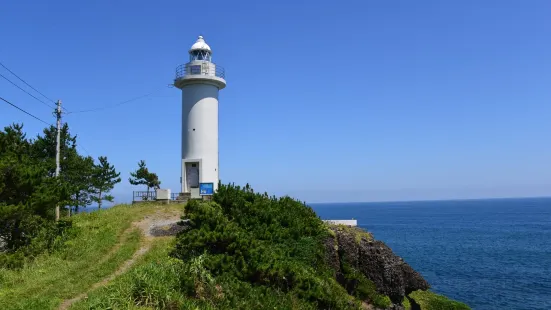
[406, 304]
[40, 236]
[428, 300]
[260, 248]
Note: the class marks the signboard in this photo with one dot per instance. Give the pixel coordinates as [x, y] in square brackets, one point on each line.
[206, 189]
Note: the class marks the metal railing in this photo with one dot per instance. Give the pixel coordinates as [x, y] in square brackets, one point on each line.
[174, 196]
[204, 68]
[144, 196]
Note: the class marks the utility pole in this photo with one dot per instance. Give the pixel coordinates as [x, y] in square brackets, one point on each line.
[57, 149]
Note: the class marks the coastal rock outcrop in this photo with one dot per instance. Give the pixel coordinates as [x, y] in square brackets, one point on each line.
[352, 247]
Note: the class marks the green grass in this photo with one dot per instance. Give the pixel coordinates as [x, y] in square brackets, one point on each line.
[406, 304]
[428, 300]
[157, 281]
[152, 282]
[103, 240]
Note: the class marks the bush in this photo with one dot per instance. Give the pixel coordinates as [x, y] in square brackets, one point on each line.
[430, 301]
[406, 304]
[263, 251]
[40, 236]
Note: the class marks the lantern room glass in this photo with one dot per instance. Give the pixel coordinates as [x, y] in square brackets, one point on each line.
[199, 55]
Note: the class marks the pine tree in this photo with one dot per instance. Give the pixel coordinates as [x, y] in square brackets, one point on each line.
[80, 177]
[142, 176]
[76, 170]
[44, 148]
[104, 179]
[27, 192]
[139, 177]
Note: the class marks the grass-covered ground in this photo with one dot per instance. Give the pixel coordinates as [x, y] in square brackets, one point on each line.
[432, 301]
[99, 244]
[153, 276]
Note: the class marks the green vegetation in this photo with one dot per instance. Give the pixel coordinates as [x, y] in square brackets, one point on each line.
[142, 176]
[243, 250]
[252, 244]
[103, 180]
[30, 192]
[363, 288]
[158, 281]
[359, 233]
[153, 282]
[406, 304]
[428, 300]
[97, 245]
[256, 252]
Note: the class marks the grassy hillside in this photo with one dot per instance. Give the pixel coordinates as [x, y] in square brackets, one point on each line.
[99, 244]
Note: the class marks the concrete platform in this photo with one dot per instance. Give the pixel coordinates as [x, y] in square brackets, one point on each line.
[342, 222]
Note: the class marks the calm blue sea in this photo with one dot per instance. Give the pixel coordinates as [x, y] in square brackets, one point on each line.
[490, 254]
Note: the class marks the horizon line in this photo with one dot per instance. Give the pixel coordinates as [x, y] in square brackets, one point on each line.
[433, 200]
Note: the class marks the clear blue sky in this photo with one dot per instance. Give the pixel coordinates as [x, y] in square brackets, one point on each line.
[326, 100]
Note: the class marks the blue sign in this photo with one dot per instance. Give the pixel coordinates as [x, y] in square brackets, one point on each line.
[206, 189]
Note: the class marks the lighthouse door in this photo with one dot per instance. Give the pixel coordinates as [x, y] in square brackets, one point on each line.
[192, 175]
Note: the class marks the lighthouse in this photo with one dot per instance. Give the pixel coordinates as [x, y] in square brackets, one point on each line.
[200, 81]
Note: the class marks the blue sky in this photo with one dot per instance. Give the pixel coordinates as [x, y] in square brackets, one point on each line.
[326, 100]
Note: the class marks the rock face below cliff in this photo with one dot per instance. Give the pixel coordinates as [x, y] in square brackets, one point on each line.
[353, 247]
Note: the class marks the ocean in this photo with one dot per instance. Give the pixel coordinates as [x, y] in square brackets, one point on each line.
[489, 254]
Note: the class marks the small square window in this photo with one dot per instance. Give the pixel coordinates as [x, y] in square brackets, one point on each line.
[195, 69]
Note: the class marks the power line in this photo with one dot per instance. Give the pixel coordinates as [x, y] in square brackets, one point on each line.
[118, 104]
[84, 149]
[36, 90]
[49, 106]
[13, 105]
[1, 64]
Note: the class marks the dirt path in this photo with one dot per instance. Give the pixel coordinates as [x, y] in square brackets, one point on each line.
[156, 219]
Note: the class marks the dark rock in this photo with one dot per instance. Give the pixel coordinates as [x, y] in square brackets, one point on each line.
[332, 255]
[392, 276]
[168, 229]
[374, 259]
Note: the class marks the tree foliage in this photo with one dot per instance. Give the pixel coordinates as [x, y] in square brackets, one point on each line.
[29, 190]
[104, 178]
[142, 176]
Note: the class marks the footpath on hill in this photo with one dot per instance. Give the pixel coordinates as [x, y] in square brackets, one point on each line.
[106, 244]
[149, 223]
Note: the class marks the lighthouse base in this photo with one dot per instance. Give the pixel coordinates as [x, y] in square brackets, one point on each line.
[196, 180]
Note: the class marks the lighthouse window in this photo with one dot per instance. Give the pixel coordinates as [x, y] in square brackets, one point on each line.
[195, 69]
[199, 55]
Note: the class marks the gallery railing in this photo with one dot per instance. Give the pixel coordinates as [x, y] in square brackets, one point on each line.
[205, 68]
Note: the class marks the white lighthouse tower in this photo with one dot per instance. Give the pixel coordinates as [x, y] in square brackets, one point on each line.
[200, 80]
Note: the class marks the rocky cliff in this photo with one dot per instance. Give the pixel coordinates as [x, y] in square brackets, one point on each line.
[358, 259]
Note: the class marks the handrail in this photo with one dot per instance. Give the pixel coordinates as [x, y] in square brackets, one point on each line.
[199, 68]
[144, 195]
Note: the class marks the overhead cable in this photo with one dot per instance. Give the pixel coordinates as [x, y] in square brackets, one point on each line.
[27, 92]
[13, 105]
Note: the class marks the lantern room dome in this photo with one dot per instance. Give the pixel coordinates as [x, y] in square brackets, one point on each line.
[200, 45]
